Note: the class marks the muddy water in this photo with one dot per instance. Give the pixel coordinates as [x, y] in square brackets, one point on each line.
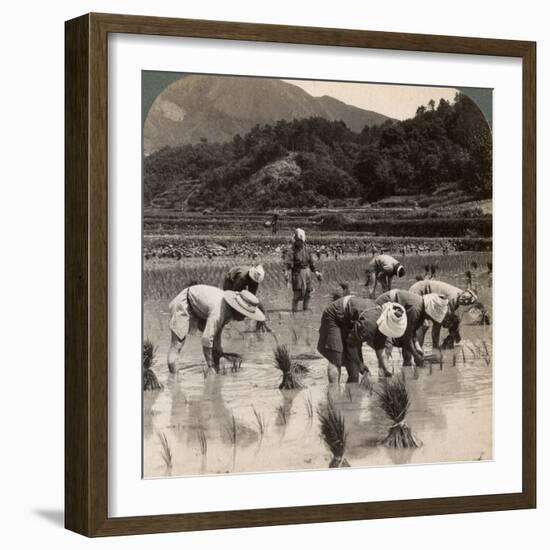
[238, 421]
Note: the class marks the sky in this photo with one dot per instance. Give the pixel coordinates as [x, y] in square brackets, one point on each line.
[395, 101]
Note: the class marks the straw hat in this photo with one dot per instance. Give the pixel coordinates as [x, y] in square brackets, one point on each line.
[244, 302]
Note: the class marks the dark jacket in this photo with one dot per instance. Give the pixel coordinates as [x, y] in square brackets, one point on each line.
[300, 257]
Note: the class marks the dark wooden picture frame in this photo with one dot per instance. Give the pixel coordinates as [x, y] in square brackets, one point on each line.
[86, 281]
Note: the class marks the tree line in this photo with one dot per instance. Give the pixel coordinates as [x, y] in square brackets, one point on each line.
[311, 162]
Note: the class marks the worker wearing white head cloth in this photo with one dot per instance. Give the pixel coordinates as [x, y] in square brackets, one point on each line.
[382, 269]
[349, 322]
[244, 278]
[418, 309]
[436, 306]
[393, 320]
[299, 268]
[240, 278]
[457, 298]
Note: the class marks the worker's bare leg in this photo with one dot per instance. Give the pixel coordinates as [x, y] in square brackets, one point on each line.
[307, 298]
[176, 346]
[407, 357]
[385, 282]
[353, 374]
[421, 333]
[334, 373]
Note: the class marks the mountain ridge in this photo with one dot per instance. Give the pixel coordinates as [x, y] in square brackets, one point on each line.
[215, 108]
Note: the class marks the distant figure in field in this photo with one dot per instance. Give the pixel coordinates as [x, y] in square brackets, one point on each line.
[431, 307]
[456, 297]
[348, 322]
[472, 277]
[430, 271]
[344, 290]
[275, 223]
[382, 269]
[244, 278]
[299, 269]
[207, 309]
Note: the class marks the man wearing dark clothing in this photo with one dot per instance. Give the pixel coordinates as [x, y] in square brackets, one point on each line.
[299, 267]
[418, 308]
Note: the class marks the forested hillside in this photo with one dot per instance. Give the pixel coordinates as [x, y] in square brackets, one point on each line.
[314, 162]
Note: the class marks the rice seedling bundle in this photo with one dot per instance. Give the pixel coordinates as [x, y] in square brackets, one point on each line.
[394, 401]
[234, 360]
[293, 372]
[333, 432]
[166, 451]
[150, 380]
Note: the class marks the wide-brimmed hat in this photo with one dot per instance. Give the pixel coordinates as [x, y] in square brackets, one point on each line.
[244, 302]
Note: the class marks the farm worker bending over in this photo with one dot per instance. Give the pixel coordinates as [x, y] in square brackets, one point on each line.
[456, 296]
[418, 308]
[350, 321]
[299, 267]
[382, 268]
[244, 278]
[208, 309]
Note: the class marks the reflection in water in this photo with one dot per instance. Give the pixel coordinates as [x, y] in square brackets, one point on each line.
[240, 422]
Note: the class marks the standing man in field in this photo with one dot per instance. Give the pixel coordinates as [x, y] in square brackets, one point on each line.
[456, 297]
[275, 223]
[350, 321]
[207, 309]
[382, 268]
[418, 308]
[299, 269]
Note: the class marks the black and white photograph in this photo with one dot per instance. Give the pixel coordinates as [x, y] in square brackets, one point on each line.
[317, 274]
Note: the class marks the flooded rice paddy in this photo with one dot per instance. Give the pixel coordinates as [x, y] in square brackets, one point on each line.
[239, 421]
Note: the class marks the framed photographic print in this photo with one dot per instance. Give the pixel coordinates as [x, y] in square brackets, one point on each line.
[299, 275]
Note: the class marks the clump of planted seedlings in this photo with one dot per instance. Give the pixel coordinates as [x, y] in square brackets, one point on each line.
[395, 402]
[166, 452]
[293, 372]
[150, 380]
[333, 432]
[260, 422]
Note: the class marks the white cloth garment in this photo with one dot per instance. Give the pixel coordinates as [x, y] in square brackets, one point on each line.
[436, 306]
[391, 323]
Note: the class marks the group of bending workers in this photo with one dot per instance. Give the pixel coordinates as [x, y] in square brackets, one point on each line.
[396, 318]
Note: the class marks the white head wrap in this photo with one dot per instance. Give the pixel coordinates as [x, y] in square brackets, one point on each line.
[257, 273]
[436, 306]
[300, 235]
[393, 320]
[473, 296]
